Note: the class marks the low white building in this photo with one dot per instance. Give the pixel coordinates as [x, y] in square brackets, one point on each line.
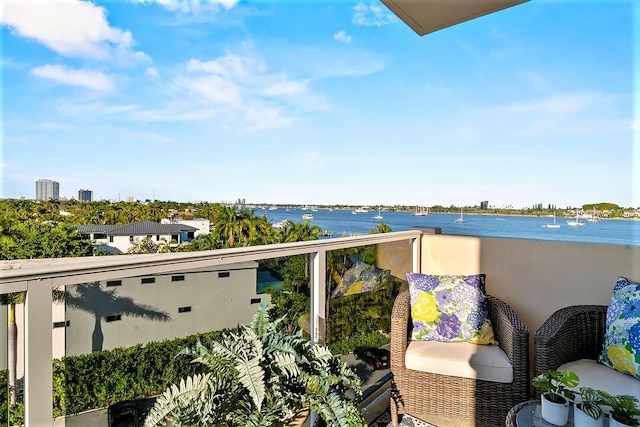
[202, 224]
[119, 238]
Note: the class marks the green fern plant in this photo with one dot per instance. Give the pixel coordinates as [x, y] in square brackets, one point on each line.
[259, 376]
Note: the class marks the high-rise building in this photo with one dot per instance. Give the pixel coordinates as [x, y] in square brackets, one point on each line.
[47, 189]
[85, 195]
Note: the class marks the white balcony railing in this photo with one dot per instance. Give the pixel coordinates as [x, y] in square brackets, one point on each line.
[38, 277]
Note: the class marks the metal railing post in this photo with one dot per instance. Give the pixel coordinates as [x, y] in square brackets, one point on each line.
[318, 295]
[38, 382]
[415, 254]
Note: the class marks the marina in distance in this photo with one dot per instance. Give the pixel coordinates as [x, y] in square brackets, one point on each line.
[339, 222]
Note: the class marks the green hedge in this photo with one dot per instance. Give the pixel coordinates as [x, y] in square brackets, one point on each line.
[103, 378]
[100, 379]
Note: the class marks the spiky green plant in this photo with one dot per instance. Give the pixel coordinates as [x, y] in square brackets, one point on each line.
[259, 376]
[624, 408]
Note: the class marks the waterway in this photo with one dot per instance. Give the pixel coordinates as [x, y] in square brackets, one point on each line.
[344, 222]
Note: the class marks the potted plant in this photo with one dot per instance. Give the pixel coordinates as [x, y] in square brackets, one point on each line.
[587, 412]
[624, 409]
[555, 406]
[259, 375]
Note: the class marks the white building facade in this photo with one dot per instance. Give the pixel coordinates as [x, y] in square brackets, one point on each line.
[118, 239]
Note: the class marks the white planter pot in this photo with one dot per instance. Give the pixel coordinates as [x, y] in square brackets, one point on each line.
[616, 423]
[582, 419]
[554, 413]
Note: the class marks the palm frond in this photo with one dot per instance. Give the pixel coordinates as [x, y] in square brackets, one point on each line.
[287, 363]
[260, 321]
[188, 399]
[331, 408]
[251, 376]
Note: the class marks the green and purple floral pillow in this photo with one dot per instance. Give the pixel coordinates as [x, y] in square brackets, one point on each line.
[450, 308]
[621, 349]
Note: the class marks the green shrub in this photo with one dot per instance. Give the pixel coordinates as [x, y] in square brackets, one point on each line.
[358, 339]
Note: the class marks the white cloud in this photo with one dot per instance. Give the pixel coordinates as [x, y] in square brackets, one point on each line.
[559, 105]
[72, 28]
[98, 109]
[342, 36]
[193, 6]
[152, 72]
[90, 79]
[240, 90]
[372, 15]
[286, 88]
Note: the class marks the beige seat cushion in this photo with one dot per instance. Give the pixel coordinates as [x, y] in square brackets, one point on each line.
[600, 377]
[460, 359]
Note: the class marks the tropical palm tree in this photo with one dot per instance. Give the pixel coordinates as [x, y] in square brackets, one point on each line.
[298, 232]
[380, 228]
[164, 245]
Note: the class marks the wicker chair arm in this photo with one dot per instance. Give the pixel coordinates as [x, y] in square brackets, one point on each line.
[571, 333]
[510, 332]
[400, 329]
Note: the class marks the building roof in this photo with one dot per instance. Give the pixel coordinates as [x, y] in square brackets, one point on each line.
[139, 228]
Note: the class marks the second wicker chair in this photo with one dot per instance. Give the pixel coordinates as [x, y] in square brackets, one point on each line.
[424, 393]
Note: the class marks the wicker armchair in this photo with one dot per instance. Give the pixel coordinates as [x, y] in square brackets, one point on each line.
[424, 393]
[570, 334]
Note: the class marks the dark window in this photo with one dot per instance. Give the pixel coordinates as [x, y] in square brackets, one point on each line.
[61, 324]
[224, 274]
[184, 309]
[131, 239]
[175, 237]
[148, 280]
[114, 282]
[114, 318]
[110, 239]
[157, 237]
[99, 236]
[256, 300]
[177, 278]
[191, 234]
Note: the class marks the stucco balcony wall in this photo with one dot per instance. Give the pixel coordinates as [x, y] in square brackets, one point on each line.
[535, 277]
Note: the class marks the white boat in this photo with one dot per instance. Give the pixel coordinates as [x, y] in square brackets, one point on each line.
[576, 222]
[421, 211]
[461, 219]
[361, 210]
[378, 216]
[554, 225]
[307, 216]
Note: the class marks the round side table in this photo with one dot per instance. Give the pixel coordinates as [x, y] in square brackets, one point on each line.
[525, 410]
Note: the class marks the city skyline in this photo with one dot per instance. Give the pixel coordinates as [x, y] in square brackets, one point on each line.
[321, 103]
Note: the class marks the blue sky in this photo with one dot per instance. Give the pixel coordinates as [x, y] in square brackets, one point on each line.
[321, 102]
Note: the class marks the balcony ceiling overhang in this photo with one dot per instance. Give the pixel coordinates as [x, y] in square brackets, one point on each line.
[427, 16]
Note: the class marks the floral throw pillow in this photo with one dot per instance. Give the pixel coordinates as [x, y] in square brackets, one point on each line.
[621, 349]
[450, 308]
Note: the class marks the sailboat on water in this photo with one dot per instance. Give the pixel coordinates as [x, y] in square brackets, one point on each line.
[554, 225]
[576, 222]
[378, 216]
[421, 211]
[461, 219]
